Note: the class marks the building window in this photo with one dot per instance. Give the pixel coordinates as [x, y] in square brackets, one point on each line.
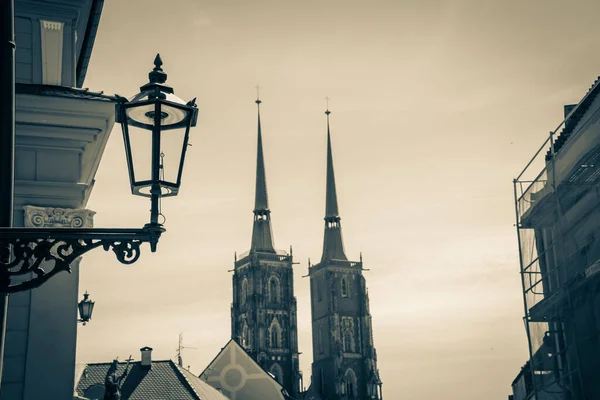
[344, 285]
[274, 290]
[275, 334]
[277, 373]
[244, 291]
[350, 383]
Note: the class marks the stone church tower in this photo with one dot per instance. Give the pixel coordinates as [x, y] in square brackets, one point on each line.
[344, 358]
[263, 312]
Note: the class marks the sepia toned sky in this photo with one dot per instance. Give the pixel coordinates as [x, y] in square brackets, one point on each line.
[436, 107]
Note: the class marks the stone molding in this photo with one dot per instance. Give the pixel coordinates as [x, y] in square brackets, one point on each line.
[54, 217]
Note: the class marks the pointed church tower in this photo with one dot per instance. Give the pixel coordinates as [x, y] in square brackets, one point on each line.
[333, 246]
[344, 358]
[262, 234]
[263, 312]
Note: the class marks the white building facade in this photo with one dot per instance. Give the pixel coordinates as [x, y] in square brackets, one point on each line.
[61, 133]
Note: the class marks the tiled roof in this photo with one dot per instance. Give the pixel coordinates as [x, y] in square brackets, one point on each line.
[61, 91]
[164, 381]
[202, 389]
[574, 119]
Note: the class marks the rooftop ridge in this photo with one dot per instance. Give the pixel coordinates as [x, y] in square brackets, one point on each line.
[182, 376]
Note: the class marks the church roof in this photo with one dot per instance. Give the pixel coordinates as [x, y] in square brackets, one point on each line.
[235, 373]
[165, 380]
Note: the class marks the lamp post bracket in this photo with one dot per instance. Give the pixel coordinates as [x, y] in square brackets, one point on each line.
[30, 247]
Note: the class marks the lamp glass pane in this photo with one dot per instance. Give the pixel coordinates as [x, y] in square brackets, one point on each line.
[141, 152]
[85, 310]
[171, 146]
[145, 114]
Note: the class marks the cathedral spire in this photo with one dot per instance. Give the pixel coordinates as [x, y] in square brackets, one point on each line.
[262, 235]
[333, 245]
[331, 206]
[261, 200]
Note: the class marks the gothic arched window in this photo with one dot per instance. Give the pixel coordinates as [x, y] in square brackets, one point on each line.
[274, 290]
[350, 383]
[245, 335]
[348, 334]
[275, 334]
[344, 285]
[348, 341]
[277, 373]
[244, 291]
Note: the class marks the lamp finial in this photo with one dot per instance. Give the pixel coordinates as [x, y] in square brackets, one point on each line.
[158, 62]
[157, 74]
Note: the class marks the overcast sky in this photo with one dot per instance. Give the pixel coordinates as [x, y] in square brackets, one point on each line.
[436, 107]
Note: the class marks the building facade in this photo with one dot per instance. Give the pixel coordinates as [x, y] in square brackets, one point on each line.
[558, 225]
[61, 133]
[344, 357]
[263, 312]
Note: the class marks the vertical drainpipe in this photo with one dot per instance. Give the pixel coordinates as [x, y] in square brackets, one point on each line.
[7, 147]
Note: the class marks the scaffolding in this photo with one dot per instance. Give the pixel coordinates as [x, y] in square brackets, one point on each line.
[557, 204]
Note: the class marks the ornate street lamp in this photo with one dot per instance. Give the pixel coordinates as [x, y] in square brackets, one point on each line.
[155, 115]
[85, 306]
[158, 120]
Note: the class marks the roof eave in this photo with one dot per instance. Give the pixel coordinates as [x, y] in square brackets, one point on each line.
[88, 41]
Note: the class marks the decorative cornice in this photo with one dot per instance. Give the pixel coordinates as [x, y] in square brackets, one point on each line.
[51, 217]
[52, 25]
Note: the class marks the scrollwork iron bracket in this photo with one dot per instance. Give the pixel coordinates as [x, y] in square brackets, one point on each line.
[31, 256]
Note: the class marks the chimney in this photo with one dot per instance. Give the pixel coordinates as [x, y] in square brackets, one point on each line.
[146, 357]
[567, 109]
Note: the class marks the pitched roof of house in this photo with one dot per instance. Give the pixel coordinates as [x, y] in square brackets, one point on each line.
[237, 374]
[575, 115]
[165, 380]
